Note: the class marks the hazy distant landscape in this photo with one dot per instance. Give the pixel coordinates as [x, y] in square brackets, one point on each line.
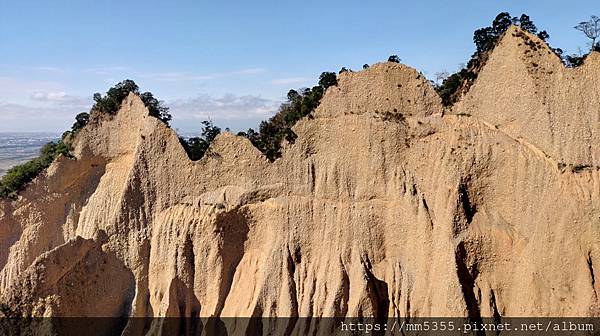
[17, 148]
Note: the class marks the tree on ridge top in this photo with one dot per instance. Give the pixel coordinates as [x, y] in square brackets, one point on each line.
[591, 29]
[111, 102]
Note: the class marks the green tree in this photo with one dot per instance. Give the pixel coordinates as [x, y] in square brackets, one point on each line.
[196, 147]
[573, 61]
[394, 59]
[543, 35]
[526, 23]
[80, 121]
[484, 39]
[111, 102]
[327, 79]
[156, 107]
[299, 104]
[501, 23]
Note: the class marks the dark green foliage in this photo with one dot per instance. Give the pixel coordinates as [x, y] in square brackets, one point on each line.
[485, 40]
[394, 59]
[528, 25]
[196, 147]
[327, 79]
[558, 52]
[365, 66]
[299, 104]
[502, 22]
[80, 121]
[573, 61]
[451, 85]
[344, 69]
[156, 107]
[543, 35]
[17, 177]
[111, 102]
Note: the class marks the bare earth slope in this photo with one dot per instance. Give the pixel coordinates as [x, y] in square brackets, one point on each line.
[382, 207]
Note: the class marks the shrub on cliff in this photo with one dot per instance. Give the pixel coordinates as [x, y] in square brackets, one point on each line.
[111, 101]
[80, 121]
[299, 104]
[394, 59]
[18, 176]
[196, 147]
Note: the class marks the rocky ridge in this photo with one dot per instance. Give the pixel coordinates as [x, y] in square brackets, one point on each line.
[385, 205]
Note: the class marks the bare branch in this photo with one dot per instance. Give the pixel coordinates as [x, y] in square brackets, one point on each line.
[590, 28]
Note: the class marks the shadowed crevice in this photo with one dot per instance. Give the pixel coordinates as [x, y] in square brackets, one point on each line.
[466, 277]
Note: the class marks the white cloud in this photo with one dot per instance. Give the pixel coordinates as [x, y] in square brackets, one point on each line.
[11, 88]
[61, 98]
[289, 81]
[227, 107]
[17, 117]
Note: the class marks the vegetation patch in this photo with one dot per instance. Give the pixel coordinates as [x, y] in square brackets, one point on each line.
[110, 103]
[18, 176]
[196, 147]
[299, 104]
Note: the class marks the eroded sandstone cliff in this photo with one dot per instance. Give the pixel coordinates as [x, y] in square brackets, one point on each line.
[384, 206]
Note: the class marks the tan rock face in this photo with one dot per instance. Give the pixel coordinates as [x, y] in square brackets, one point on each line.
[527, 92]
[382, 207]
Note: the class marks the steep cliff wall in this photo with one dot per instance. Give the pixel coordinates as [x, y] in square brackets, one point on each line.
[382, 207]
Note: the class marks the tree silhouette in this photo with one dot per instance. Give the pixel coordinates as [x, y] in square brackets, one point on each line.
[327, 79]
[394, 59]
[591, 29]
[196, 147]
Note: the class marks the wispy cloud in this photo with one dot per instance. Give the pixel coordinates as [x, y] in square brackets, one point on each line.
[12, 88]
[292, 80]
[60, 98]
[226, 107]
[18, 117]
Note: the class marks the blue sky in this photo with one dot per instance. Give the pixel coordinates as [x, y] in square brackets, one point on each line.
[232, 61]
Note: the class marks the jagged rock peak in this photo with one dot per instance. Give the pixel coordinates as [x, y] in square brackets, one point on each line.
[526, 91]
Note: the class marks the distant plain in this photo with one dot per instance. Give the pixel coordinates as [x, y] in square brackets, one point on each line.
[17, 148]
